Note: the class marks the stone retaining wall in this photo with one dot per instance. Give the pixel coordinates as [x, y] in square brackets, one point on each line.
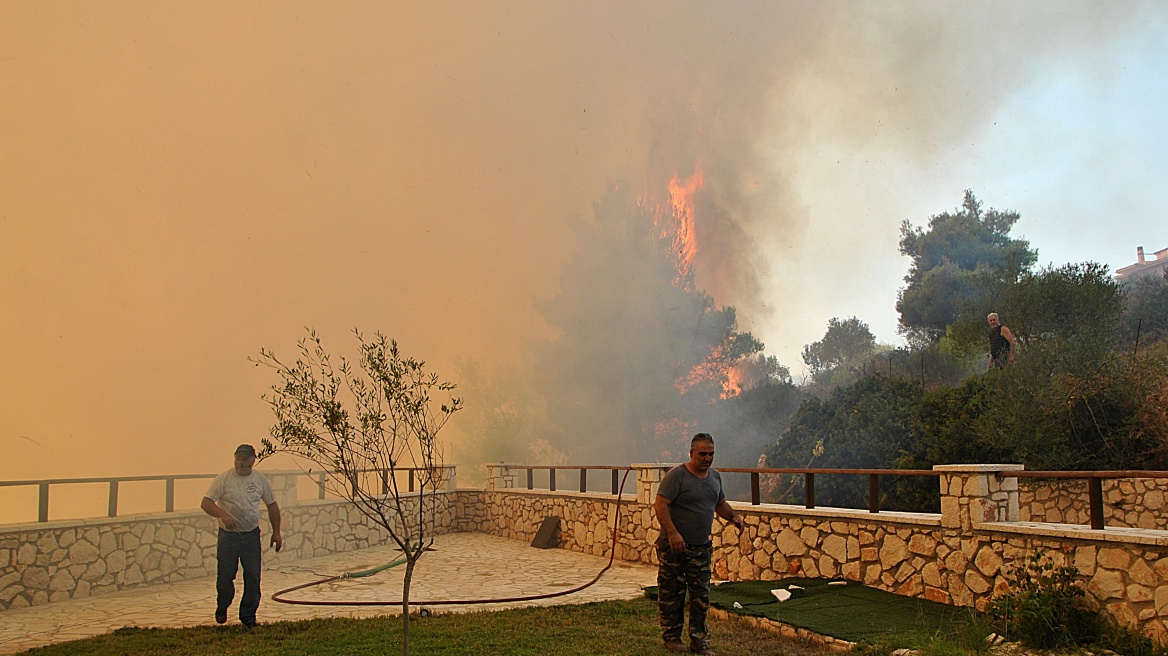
[58, 560]
[961, 556]
[1129, 502]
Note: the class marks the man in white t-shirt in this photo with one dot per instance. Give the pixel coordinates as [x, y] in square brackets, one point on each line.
[233, 499]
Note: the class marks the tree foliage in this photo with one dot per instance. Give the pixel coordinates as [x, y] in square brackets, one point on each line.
[1070, 314]
[362, 430]
[1145, 316]
[1080, 395]
[864, 425]
[845, 344]
[955, 264]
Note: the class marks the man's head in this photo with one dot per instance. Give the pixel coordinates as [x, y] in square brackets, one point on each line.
[701, 452]
[993, 319]
[245, 457]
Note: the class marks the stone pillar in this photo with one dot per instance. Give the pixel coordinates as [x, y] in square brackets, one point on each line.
[648, 479]
[973, 494]
[500, 476]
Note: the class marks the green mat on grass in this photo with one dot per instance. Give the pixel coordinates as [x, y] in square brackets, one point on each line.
[852, 611]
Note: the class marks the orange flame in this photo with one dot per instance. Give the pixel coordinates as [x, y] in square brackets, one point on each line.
[681, 197]
[735, 379]
[676, 223]
[675, 220]
[716, 366]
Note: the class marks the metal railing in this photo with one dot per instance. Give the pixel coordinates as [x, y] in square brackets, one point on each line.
[1094, 485]
[115, 482]
[445, 472]
[583, 479]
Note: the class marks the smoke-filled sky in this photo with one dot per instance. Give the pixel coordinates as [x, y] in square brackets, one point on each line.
[182, 184]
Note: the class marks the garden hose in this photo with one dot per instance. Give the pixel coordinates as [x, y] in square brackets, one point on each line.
[281, 597]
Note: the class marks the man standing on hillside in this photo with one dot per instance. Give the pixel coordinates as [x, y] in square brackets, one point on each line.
[233, 499]
[1001, 343]
[687, 499]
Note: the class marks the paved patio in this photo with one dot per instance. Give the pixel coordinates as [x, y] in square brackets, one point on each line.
[462, 566]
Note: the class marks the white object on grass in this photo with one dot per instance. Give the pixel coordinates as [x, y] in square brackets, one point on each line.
[781, 595]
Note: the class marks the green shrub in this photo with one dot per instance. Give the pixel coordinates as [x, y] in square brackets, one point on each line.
[1045, 607]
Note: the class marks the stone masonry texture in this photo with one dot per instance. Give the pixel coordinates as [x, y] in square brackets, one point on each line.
[961, 556]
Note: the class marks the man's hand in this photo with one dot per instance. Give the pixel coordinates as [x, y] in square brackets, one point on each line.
[737, 521]
[277, 541]
[676, 542]
[211, 508]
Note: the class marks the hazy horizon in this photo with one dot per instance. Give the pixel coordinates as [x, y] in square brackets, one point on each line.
[182, 185]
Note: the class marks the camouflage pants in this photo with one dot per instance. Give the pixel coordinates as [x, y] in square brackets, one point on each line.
[678, 573]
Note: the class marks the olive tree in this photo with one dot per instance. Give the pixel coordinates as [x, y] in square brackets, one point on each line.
[362, 429]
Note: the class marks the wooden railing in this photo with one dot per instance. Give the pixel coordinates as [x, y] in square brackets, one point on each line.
[1094, 485]
[755, 477]
[809, 480]
[582, 469]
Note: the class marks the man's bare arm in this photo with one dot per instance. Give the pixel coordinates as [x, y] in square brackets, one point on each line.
[274, 518]
[211, 508]
[661, 507]
[1009, 336]
[727, 513]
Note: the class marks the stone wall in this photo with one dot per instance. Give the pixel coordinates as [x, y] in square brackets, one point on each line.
[961, 556]
[1129, 502]
[43, 562]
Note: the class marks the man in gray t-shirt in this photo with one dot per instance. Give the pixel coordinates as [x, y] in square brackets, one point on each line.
[687, 500]
[233, 499]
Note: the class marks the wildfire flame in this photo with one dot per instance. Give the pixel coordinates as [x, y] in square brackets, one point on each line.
[681, 200]
[718, 365]
[675, 220]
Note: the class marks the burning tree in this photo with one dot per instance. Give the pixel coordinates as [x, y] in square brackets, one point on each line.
[640, 353]
[640, 357]
[361, 431]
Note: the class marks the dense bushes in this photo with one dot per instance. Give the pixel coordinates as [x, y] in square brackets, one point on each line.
[1111, 415]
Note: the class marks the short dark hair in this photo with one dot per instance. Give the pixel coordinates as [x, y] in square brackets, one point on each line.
[701, 437]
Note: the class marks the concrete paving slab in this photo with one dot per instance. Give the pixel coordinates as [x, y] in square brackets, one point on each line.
[462, 566]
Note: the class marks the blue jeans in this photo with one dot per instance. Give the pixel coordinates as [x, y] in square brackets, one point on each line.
[233, 549]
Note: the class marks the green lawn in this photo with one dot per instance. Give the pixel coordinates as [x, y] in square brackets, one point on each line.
[615, 628]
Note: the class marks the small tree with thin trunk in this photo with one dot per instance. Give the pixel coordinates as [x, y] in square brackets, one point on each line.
[362, 429]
